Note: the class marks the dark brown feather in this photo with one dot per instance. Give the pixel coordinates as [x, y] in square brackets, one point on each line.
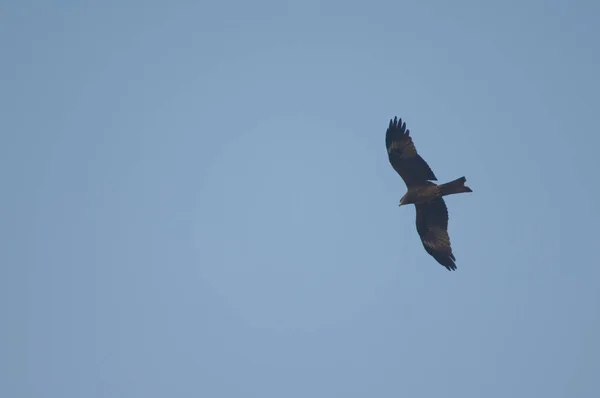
[403, 155]
[432, 226]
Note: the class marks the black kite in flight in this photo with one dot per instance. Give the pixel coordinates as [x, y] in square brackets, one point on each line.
[432, 214]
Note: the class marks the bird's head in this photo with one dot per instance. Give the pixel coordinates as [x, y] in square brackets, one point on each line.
[407, 199]
[403, 201]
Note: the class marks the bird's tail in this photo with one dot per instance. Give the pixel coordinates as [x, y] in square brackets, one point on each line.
[456, 186]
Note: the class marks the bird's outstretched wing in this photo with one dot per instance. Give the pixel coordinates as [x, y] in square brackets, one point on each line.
[432, 226]
[403, 155]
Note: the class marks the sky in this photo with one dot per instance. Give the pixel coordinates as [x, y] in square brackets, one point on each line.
[196, 199]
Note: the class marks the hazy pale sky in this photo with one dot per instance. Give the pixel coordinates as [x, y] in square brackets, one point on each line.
[196, 199]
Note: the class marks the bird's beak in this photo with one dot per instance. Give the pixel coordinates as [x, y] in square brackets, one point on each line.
[401, 202]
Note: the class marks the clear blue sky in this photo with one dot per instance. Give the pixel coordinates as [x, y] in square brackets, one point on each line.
[196, 199]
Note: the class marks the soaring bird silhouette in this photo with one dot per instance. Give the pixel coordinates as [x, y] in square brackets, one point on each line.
[432, 213]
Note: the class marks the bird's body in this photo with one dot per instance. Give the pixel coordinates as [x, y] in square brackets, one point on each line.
[432, 213]
[429, 191]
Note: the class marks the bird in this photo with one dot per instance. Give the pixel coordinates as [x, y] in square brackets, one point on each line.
[427, 196]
